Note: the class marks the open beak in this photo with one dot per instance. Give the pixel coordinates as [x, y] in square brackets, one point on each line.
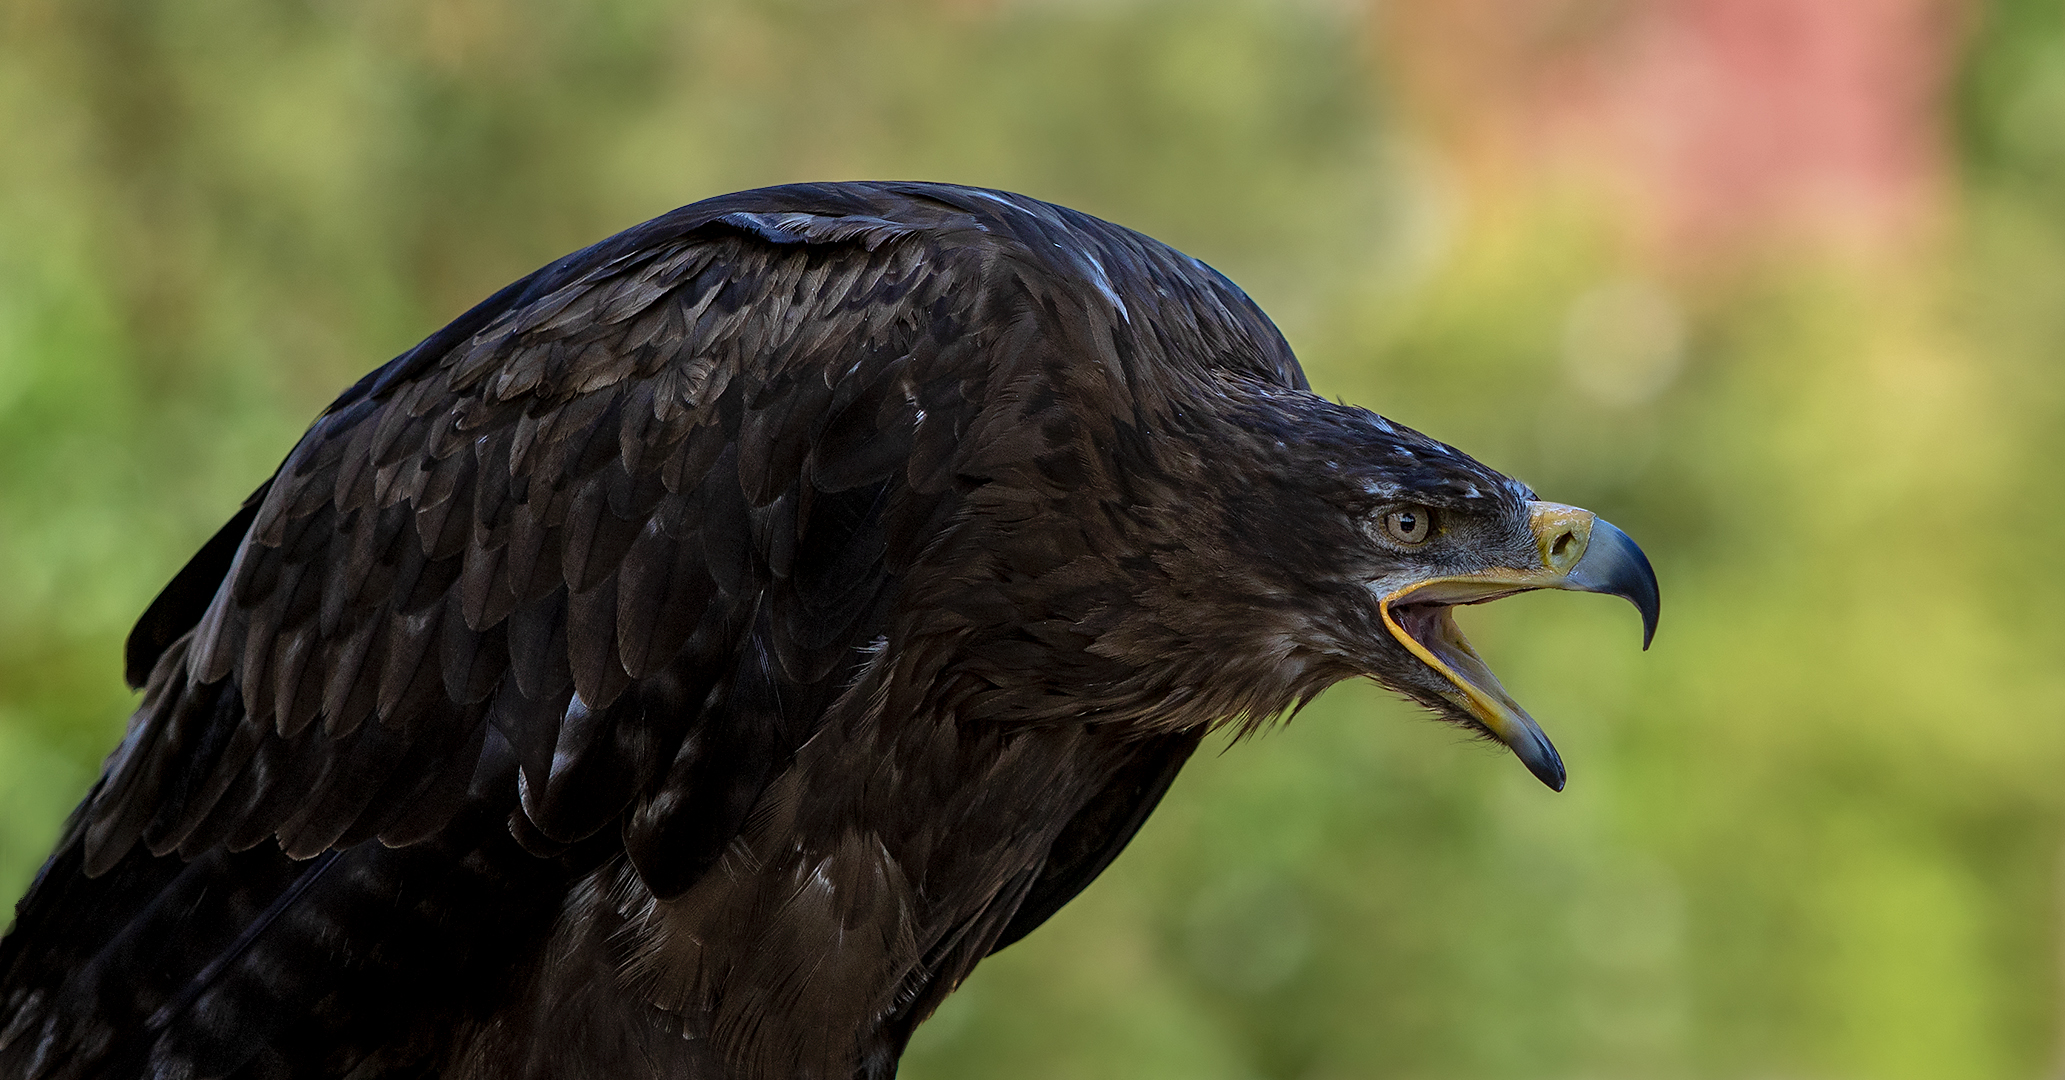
[1577, 551]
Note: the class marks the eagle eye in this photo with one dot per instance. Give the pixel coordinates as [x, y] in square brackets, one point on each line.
[1409, 525]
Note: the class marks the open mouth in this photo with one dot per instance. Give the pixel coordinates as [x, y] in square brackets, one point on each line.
[1578, 552]
[1433, 627]
[1428, 628]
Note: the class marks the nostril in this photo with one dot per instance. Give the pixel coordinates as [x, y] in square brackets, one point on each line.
[1562, 543]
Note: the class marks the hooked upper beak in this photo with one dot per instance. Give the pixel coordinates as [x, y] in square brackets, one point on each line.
[1576, 551]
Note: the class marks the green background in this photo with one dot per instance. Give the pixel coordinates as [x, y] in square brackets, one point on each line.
[1814, 833]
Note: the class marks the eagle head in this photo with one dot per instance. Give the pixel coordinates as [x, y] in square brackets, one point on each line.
[1362, 536]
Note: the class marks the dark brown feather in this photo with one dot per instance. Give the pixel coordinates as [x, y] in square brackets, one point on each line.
[705, 637]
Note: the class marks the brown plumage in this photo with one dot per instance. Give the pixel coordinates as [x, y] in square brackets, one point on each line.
[694, 659]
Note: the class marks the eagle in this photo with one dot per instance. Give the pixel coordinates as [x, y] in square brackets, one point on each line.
[694, 659]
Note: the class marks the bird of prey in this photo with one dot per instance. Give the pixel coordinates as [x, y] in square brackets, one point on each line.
[698, 656]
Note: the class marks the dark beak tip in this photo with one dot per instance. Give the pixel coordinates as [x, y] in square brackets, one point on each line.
[1539, 755]
[1648, 599]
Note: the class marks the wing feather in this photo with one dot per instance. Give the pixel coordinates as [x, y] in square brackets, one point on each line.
[593, 561]
[634, 521]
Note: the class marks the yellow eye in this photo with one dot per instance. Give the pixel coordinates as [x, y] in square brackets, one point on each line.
[1409, 525]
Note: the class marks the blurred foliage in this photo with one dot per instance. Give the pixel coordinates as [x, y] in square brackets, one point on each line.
[1815, 832]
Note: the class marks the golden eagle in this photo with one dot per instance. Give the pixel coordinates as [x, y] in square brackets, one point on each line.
[694, 659]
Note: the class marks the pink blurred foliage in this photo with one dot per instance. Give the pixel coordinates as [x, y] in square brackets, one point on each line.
[1721, 127]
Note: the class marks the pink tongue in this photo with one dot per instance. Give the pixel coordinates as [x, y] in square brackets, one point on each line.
[1423, 622]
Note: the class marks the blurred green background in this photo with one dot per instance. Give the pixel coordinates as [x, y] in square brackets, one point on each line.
[1776, 285]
